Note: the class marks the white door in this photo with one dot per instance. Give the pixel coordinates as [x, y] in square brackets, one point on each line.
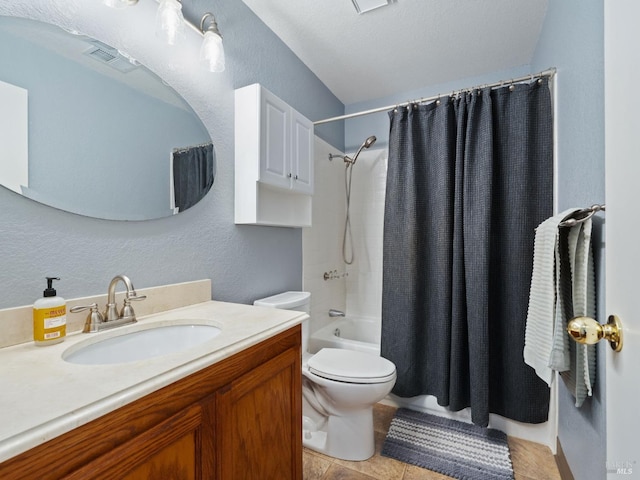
[622, 159]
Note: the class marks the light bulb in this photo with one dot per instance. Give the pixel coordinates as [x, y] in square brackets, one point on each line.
[212, 51]
[170, 21]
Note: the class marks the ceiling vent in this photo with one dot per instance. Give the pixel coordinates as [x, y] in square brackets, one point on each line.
[363, 6]
[105, 54]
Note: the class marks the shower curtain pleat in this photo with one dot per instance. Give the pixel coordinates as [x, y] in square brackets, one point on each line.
[468, 181]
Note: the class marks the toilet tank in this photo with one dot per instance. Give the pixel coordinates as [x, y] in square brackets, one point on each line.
[299, 301]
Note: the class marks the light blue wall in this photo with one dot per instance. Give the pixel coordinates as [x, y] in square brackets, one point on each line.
[244, 262]
[572, 40]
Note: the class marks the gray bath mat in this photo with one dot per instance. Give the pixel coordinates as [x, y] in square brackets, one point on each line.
[457, 449]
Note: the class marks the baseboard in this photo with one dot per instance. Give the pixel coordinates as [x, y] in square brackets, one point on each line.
[561, 462]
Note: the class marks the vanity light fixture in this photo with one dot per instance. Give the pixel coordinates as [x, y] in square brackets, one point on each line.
[170, 21]
[170, 24]
[211, 50]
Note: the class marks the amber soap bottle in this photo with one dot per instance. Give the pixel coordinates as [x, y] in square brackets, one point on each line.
[49, 317]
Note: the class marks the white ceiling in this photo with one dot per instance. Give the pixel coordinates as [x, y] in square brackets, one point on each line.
[405, 46]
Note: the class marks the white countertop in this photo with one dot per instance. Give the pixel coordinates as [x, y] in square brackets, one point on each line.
[42, 396]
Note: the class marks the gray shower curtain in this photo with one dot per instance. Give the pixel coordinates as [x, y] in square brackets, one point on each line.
[468, 181]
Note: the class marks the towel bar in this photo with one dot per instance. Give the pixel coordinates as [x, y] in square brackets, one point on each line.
[580, 216]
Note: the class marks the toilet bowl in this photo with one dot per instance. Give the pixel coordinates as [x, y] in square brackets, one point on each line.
[339, 389]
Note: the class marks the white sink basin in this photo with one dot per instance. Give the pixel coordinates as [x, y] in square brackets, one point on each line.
[141, 344]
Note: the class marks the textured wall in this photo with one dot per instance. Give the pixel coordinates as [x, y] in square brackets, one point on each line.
[244, 262]
[572, 40]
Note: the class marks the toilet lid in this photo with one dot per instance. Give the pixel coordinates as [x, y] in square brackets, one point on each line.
[351, 366]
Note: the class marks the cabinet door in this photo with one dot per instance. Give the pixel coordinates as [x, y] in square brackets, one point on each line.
[180, 447]
[302, 153]
[259, 417]
[275, 141]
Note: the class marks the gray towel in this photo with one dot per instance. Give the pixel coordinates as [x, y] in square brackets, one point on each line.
[581, 375]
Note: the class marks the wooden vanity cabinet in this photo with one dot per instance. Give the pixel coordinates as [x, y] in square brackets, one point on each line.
[240, 418]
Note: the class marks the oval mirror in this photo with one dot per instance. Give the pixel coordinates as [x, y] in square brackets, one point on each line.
[85, 129]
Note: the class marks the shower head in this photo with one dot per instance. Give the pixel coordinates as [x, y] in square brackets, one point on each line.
[366, 144]
[369, 141]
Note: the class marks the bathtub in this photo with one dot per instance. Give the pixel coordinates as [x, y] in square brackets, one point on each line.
[351, 333]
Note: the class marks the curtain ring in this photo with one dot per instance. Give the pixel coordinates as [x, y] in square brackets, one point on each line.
[438, 100]
[512, 87]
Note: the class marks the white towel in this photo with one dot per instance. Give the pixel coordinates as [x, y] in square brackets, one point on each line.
[541, 314]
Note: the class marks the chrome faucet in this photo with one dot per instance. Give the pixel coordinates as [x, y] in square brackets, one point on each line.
[97, 322]
[335, 313]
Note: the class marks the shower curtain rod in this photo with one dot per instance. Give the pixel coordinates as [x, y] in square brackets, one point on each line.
[545, 73]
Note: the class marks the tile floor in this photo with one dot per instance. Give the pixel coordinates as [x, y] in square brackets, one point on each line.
[531, 461]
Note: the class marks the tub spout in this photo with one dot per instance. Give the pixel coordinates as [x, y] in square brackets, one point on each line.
[335, 313]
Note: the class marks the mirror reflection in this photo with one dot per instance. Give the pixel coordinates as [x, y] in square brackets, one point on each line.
[88, 130]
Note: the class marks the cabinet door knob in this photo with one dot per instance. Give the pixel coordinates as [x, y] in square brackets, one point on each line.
[296, 177]
[289, 176]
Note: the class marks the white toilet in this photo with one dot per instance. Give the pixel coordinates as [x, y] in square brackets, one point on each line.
[339, 390]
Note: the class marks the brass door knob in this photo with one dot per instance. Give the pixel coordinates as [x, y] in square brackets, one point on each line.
[587, 331]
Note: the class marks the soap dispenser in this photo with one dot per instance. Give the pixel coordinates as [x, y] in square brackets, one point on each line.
[49, 317]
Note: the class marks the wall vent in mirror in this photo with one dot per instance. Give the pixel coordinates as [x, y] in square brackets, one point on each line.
[104, 138]
[110, 56]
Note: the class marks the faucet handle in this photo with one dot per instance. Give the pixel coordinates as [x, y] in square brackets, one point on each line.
[127, 309]
[81, 308]
[135, 297]
[93, 319]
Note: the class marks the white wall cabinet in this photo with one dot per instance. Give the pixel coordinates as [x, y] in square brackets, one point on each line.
[285, 144]
[273, 160]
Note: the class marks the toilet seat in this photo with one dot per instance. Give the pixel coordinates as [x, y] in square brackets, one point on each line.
[351, 366]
